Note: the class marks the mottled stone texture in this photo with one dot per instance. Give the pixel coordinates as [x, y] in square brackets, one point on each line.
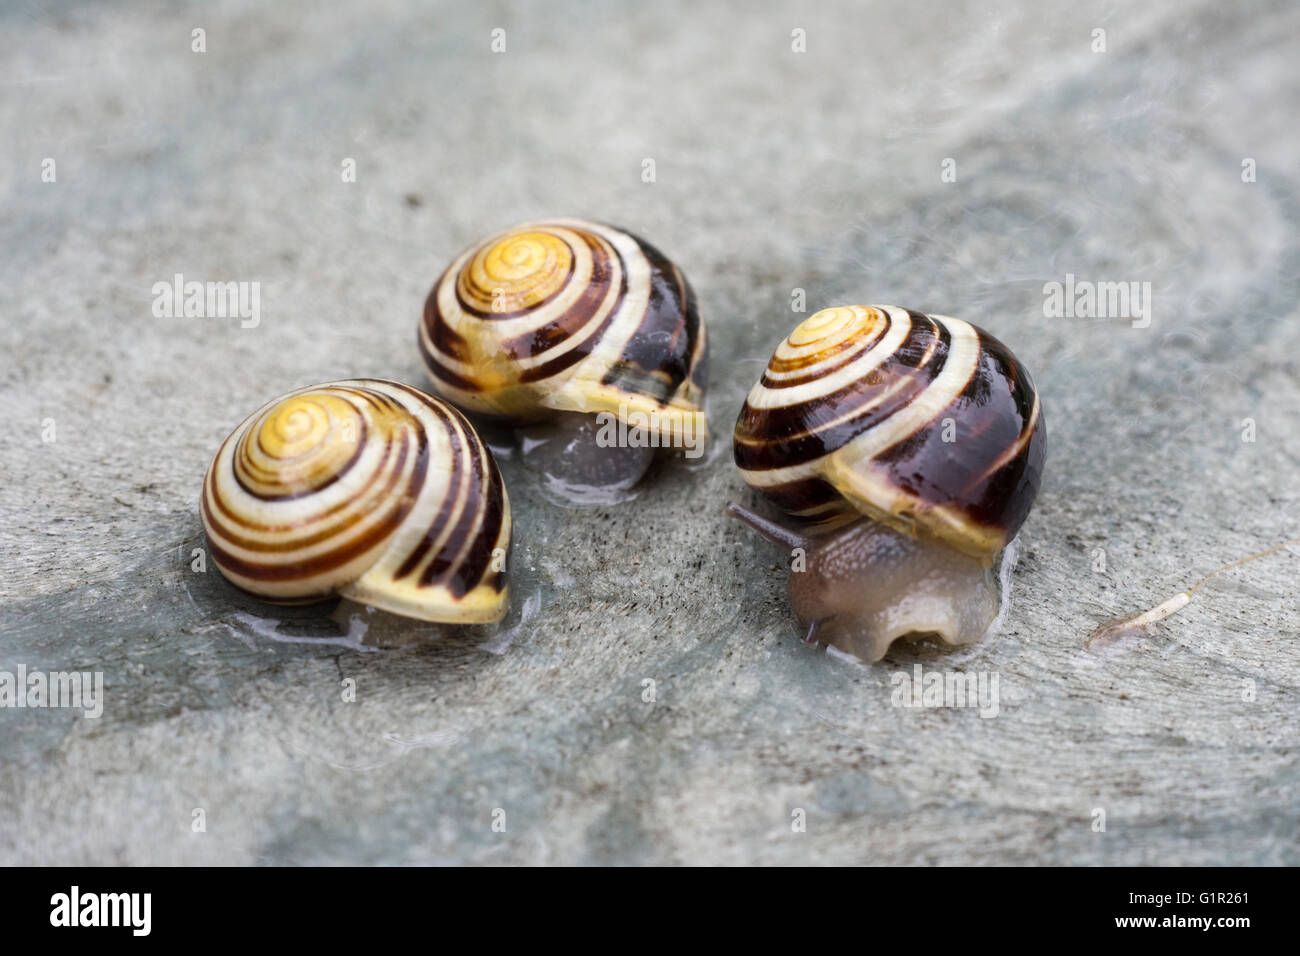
[775, 170]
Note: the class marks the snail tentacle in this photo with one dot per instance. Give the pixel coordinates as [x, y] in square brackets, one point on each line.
[768, 529]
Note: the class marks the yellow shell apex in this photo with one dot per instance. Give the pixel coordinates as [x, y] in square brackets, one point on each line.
[567, 316]
[367, 489]
[923, 422]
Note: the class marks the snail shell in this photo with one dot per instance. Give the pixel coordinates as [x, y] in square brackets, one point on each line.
[924, 423]
[365, 488]
[912, 447]
[567, 316]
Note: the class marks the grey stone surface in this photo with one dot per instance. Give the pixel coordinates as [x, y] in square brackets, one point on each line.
[775, 170]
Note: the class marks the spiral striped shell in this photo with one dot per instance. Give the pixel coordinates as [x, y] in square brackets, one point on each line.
[566, 316]
[364, 488]
[925, 423]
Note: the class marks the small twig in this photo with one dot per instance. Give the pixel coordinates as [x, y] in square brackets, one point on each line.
[1113, 630]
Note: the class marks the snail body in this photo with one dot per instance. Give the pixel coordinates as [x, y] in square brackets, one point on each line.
[367, 489]
[910, 448]
[552, 323]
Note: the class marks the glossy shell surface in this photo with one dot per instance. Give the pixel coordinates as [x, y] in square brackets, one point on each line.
[566, 316]
[926, 423]
[365, 488]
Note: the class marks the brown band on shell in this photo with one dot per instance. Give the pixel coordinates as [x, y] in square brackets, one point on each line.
[410, 522]
[937, 418]
[782, 436]
[598, 319]
[661, 356]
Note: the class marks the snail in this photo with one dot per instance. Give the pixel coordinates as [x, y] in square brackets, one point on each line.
[585, 337]
[366, 489]
[911, 447]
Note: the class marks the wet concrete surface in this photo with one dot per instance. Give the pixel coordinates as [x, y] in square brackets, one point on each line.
[1173, 448]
